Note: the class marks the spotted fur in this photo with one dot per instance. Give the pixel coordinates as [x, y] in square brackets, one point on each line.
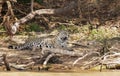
[60, 41]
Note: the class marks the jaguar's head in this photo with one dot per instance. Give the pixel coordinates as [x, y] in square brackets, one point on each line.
[63, 36]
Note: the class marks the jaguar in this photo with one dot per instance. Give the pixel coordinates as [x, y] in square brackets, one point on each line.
[59, 41]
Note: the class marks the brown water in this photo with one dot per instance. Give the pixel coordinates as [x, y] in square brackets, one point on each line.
[114, 73]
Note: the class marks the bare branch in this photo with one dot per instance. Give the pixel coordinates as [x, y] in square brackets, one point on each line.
[32, 1]
[80, 58]
[86, 55]
[59, 11]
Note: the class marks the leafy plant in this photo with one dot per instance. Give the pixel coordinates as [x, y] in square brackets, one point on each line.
[62, 27]
[24, 1]
[28, 1]
[34, 27]
[39, 1]
[102, 33]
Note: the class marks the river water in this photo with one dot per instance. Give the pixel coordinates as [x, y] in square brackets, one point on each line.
[113, 73]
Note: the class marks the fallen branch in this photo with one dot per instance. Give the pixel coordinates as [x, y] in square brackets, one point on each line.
[47, 59]
[62, 11]
[79, 59]
[111, 59]
[61, 51]
[86, 55]
[22, 66]
[18, 67]
[94, 62]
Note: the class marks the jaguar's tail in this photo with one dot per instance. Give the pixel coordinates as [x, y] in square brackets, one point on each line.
[12, 47]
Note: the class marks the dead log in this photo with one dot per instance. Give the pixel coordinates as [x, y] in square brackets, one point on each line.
[59, 11]
[61, 52]
[57, 51]
[6, 63]
[22, 66]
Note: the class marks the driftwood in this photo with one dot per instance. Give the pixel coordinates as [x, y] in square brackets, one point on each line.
[59, 11]
[113, 58]
[22, 66]
[6, 62]
[29, 60]
[58, 51]
[62, 51]
[111, 61]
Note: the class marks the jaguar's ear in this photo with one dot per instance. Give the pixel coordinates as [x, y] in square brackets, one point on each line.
[63, 32]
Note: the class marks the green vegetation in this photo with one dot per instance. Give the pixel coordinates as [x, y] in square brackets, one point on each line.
[34, 27]
[2, 28]
[70, 28]
[39, 1]
[95, 34]
[103, 33]
[28, 1]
